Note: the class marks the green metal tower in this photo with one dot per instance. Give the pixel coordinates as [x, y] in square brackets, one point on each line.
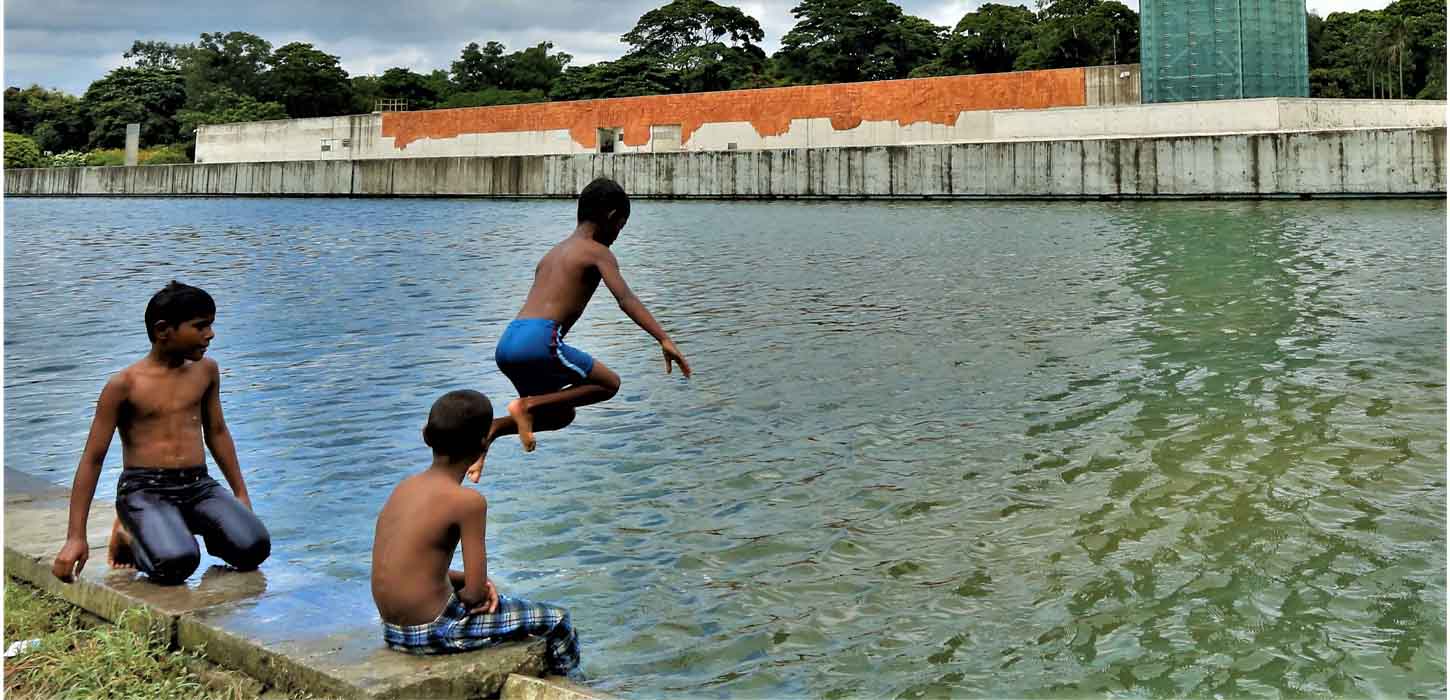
[1223, 49]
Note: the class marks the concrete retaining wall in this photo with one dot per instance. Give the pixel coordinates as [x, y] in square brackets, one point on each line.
[361, 137]
[1325, 163]
[804, 116]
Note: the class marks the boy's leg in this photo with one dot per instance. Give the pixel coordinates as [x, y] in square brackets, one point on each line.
[516, 617]
[555, 419]
[232, 532]
[600, 385]
[163, 546]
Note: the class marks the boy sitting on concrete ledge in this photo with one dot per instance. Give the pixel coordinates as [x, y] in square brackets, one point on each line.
[426, 607]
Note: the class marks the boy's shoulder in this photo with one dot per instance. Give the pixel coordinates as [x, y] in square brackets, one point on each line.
[143, 367]
[126, 378]
[466, 498]
[440, 496]
[463, 503]
[586, 246]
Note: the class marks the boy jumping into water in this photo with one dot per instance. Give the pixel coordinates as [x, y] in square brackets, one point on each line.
[553, 378]
[427, 608]
[165, 406]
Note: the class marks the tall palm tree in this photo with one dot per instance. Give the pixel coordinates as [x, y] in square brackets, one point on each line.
[1397, 29]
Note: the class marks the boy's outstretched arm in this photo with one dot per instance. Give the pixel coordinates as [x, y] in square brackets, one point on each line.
[477, 592]
[73, 554]
[219, 439]
[634, 308]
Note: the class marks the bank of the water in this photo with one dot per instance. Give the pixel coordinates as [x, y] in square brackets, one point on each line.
[79, 657]
[288, 630]
[1338, 163]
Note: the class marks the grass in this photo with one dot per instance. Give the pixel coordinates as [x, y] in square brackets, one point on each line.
[81, 657]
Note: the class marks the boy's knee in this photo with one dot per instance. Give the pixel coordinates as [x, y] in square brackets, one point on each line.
[250, 554]
[174, 568]
[610, 381]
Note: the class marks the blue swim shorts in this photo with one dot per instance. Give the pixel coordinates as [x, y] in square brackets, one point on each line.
[532, 354]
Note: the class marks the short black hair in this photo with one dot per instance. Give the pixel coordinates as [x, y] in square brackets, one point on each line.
[601, 197]
[176, 304]
[458, 424]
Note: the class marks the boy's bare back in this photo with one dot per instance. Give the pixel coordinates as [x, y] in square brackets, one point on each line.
[566, 279]
[418, 530]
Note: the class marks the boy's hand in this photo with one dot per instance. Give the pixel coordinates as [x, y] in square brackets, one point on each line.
[672, 354]
[71, 560]
[490, 602]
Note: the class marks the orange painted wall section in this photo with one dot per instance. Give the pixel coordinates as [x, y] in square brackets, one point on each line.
[770, 111]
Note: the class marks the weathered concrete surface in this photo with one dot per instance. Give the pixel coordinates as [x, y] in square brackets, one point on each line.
[284, 627]
[548, 688]
[327, 638]
[1097, 102]
[1353, 162]
[35, 531]
[21, 487]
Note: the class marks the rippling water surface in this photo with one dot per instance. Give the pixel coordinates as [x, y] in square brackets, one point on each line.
[963, 449]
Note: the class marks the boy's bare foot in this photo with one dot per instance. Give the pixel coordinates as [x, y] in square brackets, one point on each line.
[475, 471]
[119, 553]
[525, 423]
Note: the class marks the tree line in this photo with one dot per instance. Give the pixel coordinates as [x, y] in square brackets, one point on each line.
[684, 46]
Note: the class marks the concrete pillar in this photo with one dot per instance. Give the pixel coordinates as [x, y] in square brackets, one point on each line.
[133, 143]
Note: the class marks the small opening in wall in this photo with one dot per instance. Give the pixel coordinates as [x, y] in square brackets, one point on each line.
[731, 146]
[608, 137]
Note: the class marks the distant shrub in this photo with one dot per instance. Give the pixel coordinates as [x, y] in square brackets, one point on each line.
[161, 155]
[165, 155]
[68, 159]
[490, 97]
[106, 156]
[21, 152]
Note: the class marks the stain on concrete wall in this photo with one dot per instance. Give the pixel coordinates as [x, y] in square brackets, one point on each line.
[769, 111]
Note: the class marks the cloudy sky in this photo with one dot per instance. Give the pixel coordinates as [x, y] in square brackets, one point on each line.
[68, 43]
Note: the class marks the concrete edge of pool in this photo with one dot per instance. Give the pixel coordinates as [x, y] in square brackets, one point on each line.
[289, 629]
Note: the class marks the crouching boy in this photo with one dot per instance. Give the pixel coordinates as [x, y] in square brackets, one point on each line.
[167, 406]
[425, 607]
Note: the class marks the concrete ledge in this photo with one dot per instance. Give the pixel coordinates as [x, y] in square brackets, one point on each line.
[327, 640]
[285, 627]
[549, 688]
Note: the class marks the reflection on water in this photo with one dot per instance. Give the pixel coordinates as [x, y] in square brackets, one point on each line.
[969, 449]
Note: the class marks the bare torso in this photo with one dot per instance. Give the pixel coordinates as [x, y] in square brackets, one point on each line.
[564, 281]
[413, 544]
[161, 419]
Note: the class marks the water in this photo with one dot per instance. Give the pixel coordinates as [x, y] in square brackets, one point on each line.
[963, 449]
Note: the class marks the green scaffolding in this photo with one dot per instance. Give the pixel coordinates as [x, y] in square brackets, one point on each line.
[1223, 49]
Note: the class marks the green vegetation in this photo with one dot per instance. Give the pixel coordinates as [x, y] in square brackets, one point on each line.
[1397, 52]
[682, 46]
[80, 658]
[21, 152]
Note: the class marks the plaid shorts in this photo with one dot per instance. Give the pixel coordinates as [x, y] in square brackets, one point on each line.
[455, 630]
